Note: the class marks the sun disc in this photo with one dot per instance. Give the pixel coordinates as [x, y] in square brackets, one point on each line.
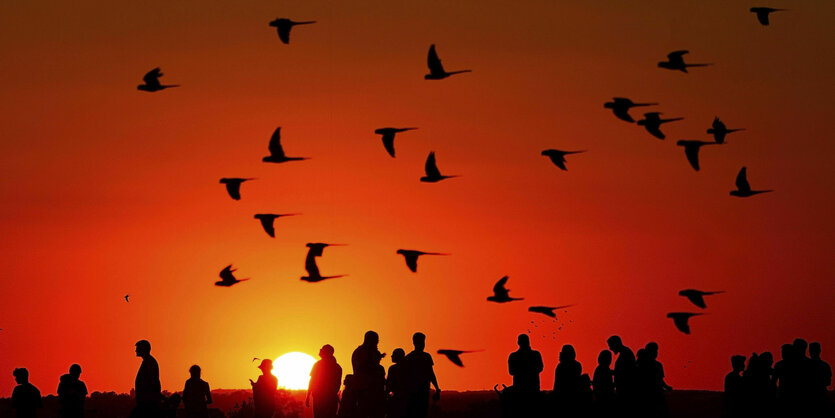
[293, 370]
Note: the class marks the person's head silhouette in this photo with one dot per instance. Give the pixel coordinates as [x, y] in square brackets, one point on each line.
[652, 350]
[21, 375]
[75, 371]
[615, 344]
[326, 351]
[266, 366]
[787, 351]
[194, 371]
[419, 340]
[738, 363]
[604, 359]
[371, 339]
[766, 359]
[815, 350]
[398, 355]
[524, 341]
[567, 353]
[143, 348]
[800, 347]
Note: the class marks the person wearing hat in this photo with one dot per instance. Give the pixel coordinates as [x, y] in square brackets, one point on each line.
[263, 391]
[325, 379]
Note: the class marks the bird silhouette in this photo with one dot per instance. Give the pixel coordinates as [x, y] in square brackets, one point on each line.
[680, 320]
[233, 186]
[411, 257]
[558, 157]
[763, 12]
[254, 359]
[455, 355]
[315, 250]
[547, 310]
[433, 175]
[436, 70]
[691, 150]
[227, 278]
[652, 123]
[283, 27]
[277, 152]
[743, 189]
[500, 293]
[675, 61]
[620, 107]
[268, 221]
[719, 130]
[152, 83]
[388, 137]
[127, 297]
[697, 296]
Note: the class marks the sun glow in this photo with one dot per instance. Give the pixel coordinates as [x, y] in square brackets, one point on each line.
[293, 370]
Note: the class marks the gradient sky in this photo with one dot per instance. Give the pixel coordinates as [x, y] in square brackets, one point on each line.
[108, 190]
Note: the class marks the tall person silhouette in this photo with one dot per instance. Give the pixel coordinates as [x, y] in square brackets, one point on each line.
[396, 385]
[421, 374]
[369, 386]
[525, 365]
[821, 378]
[325, 379]
[624, 374]
[196, 395]
[733, 398]
[147, 385]
[263, 390]
[71, 393]
[26, 398]
[568, 383]
[604, 385]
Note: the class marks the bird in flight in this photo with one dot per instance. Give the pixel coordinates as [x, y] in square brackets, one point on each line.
[763, 12]
[743, 189]
[675, 61]
[500, 293]
[127, 297]
[268, 221]
[652, 122]
[455, 355]
[388, 137]
[254, 359]
[691, 150]
[315, 250]
[558, 157]
[620, 107]
[436, 70]
[547, 310]
[283, 27]
[719, 130]
[227, 278]
[680, 320]
[697, 296]
[433, 175]
[152, 83]
[411, 257]
[277, 152]
[233, 186]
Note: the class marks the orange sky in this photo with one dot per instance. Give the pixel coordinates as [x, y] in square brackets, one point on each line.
[109, 190]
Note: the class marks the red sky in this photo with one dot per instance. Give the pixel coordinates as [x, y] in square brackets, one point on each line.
[109, 190]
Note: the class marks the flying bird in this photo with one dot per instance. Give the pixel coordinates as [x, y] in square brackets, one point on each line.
[620, 107]
[254, 359]
[283, 27]
[547, 310]
[127, 298]
[743, 189]
[227, 278]
[455, 355]
[719, 130]
[277, 152]
[433, 175]
[436, 70]
[411, 257]
[388, 137]
[268, 221]
[233, 186]
[558, 157]
[652, 122]
[697, 296]
[500, 293]
[675, 61]
[763, 12]
[315, 250]
[152, 83]
[691, 150]
[680, 320]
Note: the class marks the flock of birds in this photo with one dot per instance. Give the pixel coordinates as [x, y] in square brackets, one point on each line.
[620, 106]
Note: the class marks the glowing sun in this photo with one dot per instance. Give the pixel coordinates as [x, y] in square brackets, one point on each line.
[293, 370]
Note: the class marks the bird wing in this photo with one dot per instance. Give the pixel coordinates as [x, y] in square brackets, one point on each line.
[226, 275]
[692, 153]
[499, 288]
[284, 31]
[411, 261]
[677, 55]
[434, 62]
[388, 142]
[431, 167]
[762, 16]
[742, 181]
[310, 264]
[697, 299]
[655, 130]
[558, 160]
[151, 78]
[269, 225]
[234, 189]
[681, 323]
[275, 144]
[453, 356]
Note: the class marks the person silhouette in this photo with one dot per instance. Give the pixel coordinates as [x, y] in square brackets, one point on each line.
[821, 378]
[264, 390]
[325, 379]
[348, 403]
[603, 385]
[624, 374]
[397, 385]
[146, 386]
[26, 398]
[760, 385]
[568, 384]
[196, 395]
[525, 365]
[787, 376]
[71, 393]
[368, 385]
[421, 374]
[733, 397]
[804, 366]
[655, 386]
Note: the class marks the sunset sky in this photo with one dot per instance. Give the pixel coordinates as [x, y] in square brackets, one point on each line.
[108, 190]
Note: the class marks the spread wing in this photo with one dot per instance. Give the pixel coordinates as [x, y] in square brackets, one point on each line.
[434, 62]
[762, 16]
[431, 167]
[697, 299]
[234, 189]
[152, 77]
[677, 55]
[275, 144]
[742, 180]
[226, 275]
[310, 265]
[388, 142]
[284, 31]
[268, 224]
[681, 323]
[692, 153]
[499, 288]
[411, 261]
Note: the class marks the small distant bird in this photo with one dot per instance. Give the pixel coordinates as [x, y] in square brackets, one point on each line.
[719, 130]
[227, 278]
[691, 150]
[500, 293]
[388, 137]
[277, 152]
[680, 320]
[283, 27]
[697, 296]
[763, 12]
[411, 257]
[558, 157]
[127, 298]
[268, 221]
[547, 310]
[233, 186]
[316, 250]
[743, 189]
[254, 359]
[433, 175]
[455, 355]
[675, 61]
[620, 107]
[152, 84]
[652, 122]
[436, 70]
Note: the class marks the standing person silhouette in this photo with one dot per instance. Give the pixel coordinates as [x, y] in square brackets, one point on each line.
[348, 403]
[657, 386]
[419, 366]
[525, 365]
[624, 374]
[26, 398]
[568, 384]
[734, 395]
[369, 388]
[147, 386]
[71, 393]
[397, 385]
[821, 378]
[196, 395]
[263, 391]
[325, 379]
[604, 385]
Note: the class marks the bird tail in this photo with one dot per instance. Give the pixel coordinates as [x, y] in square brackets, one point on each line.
[736, 130]
[644, 104]
[671, 120]
[698, 65]
[459, 72]
[171, 85]
[307, 22]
